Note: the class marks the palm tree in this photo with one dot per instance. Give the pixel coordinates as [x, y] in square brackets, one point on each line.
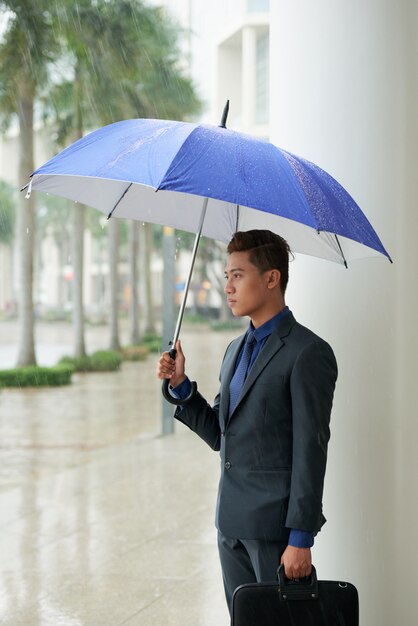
[146, 248]
[25, 51]
[54, 219]
[7, 227]
[134, 334]
[74, 25]
[7, 212]
[148, 85]
[113, 226]
[125, 64]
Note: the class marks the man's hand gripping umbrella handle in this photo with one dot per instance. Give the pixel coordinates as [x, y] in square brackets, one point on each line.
[166, 387]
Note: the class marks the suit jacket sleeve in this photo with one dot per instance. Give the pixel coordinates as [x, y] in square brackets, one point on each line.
[203, 419]
[312, 387]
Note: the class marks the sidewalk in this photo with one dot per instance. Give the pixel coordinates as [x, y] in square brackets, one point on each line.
[102, 521]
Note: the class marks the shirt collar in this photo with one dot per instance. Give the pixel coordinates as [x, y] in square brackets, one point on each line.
[267, 328]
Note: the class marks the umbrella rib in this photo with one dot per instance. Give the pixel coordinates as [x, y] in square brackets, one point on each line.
[341, 250]
[189, 277]
[120, 200]
[236, 223]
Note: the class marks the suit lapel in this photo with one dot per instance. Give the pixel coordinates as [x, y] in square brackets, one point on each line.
[227, 372]
[273, 344]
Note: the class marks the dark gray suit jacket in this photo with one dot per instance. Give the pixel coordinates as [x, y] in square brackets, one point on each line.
[273, 448]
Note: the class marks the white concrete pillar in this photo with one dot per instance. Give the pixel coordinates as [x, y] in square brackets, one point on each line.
[342, 96]
[405, 218]
[248, 84]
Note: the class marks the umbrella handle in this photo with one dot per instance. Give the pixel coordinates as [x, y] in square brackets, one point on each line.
[166, 390]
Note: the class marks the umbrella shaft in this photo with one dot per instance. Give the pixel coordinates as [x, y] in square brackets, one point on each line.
[189, 278]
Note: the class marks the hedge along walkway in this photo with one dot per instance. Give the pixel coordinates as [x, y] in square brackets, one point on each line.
[35, 376]
[62, 425]
[101, 361]
[61, 374]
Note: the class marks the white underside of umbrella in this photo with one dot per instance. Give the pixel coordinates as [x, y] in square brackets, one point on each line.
[183, 211]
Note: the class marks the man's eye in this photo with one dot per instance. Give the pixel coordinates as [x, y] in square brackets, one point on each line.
[234, 275]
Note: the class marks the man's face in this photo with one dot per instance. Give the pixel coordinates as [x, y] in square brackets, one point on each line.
[246, 289]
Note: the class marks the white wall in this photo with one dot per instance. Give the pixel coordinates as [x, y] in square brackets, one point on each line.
[344, 95]
[205, 24]
[406, 413]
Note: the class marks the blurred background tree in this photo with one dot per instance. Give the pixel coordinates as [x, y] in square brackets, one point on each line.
[27, 48]
[84, 64]
[7, 212]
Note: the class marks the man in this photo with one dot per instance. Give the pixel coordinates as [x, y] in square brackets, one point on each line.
[270, 420]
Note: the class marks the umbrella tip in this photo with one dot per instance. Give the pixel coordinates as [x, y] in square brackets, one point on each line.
[224, 115]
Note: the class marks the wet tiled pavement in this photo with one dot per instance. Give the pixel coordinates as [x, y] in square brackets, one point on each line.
[103, 521]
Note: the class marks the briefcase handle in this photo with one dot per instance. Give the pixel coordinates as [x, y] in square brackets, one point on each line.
[301, 589]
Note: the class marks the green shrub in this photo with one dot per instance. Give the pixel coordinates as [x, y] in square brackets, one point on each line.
[154, 346]
[35, 376]
[80, 364]
[101, 361]
[135, 353]
[153, 342]
[106, 361]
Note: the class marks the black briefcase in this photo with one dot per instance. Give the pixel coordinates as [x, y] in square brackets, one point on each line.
[295, 603]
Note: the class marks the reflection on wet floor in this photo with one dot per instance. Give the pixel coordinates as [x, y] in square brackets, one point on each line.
[103, 522]
[54, 427]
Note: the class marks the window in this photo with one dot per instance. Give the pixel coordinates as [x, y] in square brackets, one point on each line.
[258, 6]
[262, 78]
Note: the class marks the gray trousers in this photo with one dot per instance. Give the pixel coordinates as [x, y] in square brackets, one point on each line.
[247, 561]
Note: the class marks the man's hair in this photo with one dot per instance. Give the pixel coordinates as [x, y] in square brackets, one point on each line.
[267, 251]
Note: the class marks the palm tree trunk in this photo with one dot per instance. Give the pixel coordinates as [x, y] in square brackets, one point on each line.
[114, 283]
[133, 271]
[26, 233]
[78, 240]
[78, 266]
[145, 249]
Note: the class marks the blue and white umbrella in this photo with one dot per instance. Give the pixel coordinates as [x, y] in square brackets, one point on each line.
[158, 171]
[211, 181]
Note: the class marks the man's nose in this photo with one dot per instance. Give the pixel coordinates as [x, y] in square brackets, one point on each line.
[228, 286]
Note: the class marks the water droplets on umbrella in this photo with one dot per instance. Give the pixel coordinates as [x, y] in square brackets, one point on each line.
[297, 198]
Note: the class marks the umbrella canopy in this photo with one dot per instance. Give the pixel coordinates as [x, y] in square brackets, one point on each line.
[212, 181]
[158, 171]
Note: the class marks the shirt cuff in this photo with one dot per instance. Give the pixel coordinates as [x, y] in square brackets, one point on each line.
[300, 538]
[182, 390]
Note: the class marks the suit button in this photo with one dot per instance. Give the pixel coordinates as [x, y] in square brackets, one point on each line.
[227, 465]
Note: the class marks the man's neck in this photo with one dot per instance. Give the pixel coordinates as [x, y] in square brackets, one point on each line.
[264, 316]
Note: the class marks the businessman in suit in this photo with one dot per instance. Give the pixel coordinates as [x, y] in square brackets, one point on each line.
[270, 420]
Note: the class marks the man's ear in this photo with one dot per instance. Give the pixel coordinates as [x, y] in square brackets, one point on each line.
[273, 279]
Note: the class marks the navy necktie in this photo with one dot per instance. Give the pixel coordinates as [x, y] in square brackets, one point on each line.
[240, 374]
